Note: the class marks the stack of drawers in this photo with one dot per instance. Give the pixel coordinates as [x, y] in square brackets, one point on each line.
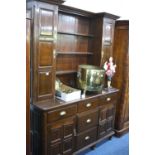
[87, 121]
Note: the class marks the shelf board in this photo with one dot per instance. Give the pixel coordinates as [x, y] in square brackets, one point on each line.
[75, 53]
[76, 34]
[65, 72]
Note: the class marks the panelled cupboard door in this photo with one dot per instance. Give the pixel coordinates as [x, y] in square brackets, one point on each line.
[44, 45]
[61, 137]
[106, 119]
[108, 37]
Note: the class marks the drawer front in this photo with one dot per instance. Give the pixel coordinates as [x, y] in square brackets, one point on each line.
[87, 120]
[61, 113]
[108, 99]
[86, 138]
[84, 106]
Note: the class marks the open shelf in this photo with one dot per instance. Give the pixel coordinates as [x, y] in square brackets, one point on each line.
[65, 72]
[75, 53]
[77, 34]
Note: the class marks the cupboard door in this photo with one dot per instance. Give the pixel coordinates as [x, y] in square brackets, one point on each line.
[110, 111]
[68, 146]
[44, 45]
[55, 149]
[106, 119]
[45, 84]
[108, 37]
[102, 122]
[109, 124]
[55, 134]
[61, 136]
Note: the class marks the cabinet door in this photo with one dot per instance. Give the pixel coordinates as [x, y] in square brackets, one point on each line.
[107, 42]
[102, 122]
[68, 146]
[61, 136]
[106, 119]
[55, 149]
[44, 43]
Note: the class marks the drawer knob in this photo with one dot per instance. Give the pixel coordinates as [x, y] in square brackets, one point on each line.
[108, 99]
[88, 105]
[62, 113]
[87, 137]
[88, 120]
[47, 73]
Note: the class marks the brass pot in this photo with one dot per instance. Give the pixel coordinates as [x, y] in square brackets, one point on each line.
[90, 78]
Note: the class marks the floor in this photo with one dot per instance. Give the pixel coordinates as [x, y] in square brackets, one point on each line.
[115, 146]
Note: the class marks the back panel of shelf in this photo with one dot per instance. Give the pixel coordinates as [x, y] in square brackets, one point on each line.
[74, 37]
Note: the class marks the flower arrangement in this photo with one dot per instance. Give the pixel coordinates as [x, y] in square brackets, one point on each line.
[109, 68]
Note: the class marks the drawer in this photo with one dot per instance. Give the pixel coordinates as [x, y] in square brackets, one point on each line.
[61, 113]
[84, 106]
[86, 120]
[86, 138]
[108, 99]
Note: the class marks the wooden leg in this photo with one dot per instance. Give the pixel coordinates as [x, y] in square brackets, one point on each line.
[110, 137]
[93, 147]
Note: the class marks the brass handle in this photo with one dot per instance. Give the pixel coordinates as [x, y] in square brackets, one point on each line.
[47, 73]
[88, 120]
[108, 99]
[87, 137]
[102, 54]
[88, 105]
[54, 54]
[62, 113]
[74, 130]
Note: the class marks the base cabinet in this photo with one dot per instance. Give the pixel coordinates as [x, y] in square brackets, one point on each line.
[68, 129]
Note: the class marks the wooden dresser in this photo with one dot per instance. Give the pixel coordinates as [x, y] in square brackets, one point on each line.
[62, 38]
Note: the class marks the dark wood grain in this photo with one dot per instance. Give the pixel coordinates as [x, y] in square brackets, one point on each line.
[45, 18]
[62, 38]
[87, 105]
[28, 34]
[72, 133]
[86, 138]
[56, 115]
[121, 78]
[103, 39]
[61, 136]
[87, 120]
